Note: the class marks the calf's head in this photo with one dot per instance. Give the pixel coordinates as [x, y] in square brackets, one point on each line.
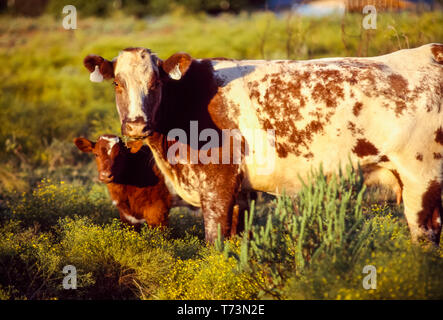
[110, 154]
[138, 76]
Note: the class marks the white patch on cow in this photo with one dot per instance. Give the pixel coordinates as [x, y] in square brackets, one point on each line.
[133, 220]
[175, 73]
[111, 142]
[170, 186]
[115, 202]
[137, 72]
[96, 76]
[380, 125]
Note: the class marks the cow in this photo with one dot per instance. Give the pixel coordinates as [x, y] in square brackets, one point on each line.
[383, 112]
[135, 184]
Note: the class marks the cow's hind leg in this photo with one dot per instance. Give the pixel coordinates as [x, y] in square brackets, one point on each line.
[422, 203]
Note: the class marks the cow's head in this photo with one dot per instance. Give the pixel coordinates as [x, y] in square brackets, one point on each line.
[138, 76]
[110, 154]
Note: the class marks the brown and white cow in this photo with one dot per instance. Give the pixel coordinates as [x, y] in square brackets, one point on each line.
[135, 184]
[385, 112]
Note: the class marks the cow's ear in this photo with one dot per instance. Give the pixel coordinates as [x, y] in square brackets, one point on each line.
[177, 65]
[99, 68]
[84, 144]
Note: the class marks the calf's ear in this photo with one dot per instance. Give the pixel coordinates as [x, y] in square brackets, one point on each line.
[177, 65]
[99, 68]
[84, 144]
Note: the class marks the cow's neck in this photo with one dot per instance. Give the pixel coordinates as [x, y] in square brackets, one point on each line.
[138, 170]
[172, 174]
[188, 99]
[196, 97]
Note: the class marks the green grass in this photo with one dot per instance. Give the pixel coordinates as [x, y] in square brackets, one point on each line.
[46, 99]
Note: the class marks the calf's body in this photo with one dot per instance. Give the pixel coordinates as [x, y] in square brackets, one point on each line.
[135, 184]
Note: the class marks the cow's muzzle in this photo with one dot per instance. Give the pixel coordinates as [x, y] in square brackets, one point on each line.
[136, 128]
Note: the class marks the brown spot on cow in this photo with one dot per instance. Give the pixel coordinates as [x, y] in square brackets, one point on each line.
[282, 151]
[357, 108]
[429, 218]
[354, 130]
[384, 158]
[328, 89]
[419, 156]
[309, 155]
[437, 51]
[400, 107]
[398, 84]
[278, 100]
[439, 136]
[364, 148]
[368, 75]
[399, 88]
[437, 155]
[351, 127]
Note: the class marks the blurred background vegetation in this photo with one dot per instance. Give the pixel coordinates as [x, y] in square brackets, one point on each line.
[46, 100]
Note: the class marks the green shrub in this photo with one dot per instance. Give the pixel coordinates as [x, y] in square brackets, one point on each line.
[327, 221]
[29, 264]
[50, 201]
[316, 245]
[183, 222]
[211, 277]
[404, 271]
[119, 262]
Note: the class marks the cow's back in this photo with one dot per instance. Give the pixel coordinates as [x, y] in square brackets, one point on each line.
[324, 110]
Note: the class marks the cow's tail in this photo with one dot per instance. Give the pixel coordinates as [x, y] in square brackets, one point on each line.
[437, 52]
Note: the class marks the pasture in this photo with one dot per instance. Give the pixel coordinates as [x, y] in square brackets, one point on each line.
[54, 212]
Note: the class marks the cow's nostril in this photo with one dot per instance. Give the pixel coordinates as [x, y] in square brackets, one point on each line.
[105, 175]
[135, 129]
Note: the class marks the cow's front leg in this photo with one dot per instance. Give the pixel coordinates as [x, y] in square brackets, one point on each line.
[217, 202]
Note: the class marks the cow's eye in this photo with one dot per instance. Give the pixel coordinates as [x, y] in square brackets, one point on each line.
[115, 83]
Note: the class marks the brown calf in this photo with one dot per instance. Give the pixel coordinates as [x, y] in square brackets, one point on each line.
[134, 182]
